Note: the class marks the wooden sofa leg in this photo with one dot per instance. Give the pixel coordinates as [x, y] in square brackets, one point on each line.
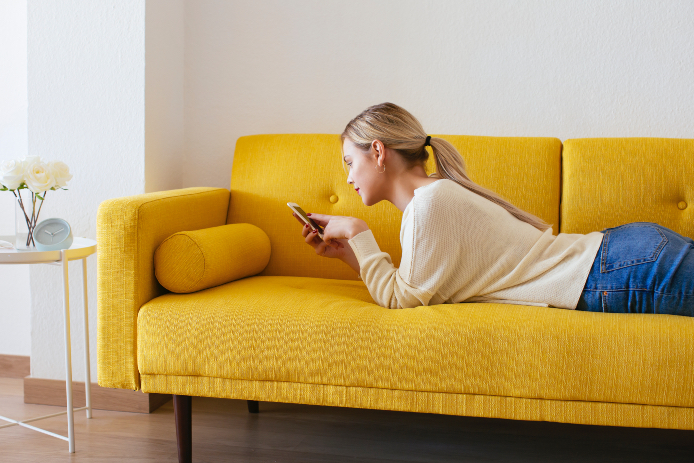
[252, 406]
[183, 411]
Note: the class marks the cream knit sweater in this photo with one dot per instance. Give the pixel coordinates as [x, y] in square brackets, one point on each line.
[458, 246]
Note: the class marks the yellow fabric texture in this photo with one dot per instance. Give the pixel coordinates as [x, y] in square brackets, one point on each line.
[306, 330]
[329, 332]
[609, 182]
[189, 261]
[488, 406]
[128, 230]
[271, 170]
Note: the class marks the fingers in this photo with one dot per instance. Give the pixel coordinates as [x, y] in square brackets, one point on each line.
[309, 234]
[321, 219]
[320, 248]
[333, 243]
[312, 238]
[306, 230]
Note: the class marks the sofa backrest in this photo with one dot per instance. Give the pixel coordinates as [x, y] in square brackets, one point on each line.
[270, 170]
[609, 182]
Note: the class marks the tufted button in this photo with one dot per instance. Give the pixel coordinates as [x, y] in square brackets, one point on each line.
[333, 199]
[682, 205]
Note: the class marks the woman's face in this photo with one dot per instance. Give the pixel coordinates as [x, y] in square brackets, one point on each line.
[363, 175]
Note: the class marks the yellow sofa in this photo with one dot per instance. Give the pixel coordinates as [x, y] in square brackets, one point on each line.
[305, 329]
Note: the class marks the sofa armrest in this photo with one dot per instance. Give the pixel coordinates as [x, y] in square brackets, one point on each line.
[128, 231]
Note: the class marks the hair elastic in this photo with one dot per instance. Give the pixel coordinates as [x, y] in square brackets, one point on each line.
[426, 143]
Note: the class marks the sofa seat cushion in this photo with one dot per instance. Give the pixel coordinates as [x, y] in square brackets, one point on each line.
[330, 332]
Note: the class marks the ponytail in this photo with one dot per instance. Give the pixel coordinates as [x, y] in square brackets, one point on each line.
[399, 130]
[450, 165]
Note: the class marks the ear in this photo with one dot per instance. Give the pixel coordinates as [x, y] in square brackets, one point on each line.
[379, 151]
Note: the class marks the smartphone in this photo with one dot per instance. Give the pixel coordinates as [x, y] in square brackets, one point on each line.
[308, 220]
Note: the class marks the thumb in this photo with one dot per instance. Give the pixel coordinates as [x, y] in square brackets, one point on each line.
[328, 238]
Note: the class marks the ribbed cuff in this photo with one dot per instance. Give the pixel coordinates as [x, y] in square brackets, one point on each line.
[364, 244]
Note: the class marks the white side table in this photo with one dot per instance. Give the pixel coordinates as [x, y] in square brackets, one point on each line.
[81, 248]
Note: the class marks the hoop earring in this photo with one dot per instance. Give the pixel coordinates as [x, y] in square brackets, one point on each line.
[384, 168]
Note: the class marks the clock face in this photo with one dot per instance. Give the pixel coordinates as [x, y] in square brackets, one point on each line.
[52, 232]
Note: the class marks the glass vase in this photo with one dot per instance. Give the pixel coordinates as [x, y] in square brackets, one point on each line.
[25, 220]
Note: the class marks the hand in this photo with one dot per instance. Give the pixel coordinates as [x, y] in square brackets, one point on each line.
[337, 227]
[337, 249]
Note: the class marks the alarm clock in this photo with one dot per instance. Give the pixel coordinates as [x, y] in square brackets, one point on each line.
[53, 235]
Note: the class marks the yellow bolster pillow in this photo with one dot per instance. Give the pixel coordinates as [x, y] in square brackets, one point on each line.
[189, 261]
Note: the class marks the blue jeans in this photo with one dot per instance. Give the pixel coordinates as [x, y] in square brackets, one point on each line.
[641, 267]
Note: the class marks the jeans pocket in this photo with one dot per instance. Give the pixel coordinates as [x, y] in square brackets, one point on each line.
[631, 244]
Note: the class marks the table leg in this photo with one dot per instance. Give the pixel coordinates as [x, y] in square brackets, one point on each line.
[68, 355]
[87, 381]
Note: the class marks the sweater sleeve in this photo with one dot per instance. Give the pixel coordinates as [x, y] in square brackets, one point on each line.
[382, 278]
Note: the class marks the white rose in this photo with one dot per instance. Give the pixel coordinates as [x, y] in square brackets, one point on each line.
[61, 172]
[11, 174]
[38, 176]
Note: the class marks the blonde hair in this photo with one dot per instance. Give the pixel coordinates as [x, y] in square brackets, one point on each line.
[400, 131]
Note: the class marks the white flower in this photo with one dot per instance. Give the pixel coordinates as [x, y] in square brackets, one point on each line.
[11, 174]
[61, 172]
[38, 176]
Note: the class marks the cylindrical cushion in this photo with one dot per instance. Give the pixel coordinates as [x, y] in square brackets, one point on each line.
[189, 261]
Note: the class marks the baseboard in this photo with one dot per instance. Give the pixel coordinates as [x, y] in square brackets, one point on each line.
[52, 392]
[14, 366]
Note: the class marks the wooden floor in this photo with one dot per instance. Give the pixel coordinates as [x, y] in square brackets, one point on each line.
[223, 430]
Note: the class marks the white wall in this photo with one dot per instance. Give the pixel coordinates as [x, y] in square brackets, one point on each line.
[164, 130]
[15, 297]
[566, 69]
[86, 93]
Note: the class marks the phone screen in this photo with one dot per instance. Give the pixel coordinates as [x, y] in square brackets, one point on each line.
[311, 221]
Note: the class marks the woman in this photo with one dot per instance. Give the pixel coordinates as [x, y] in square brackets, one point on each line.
[464, 243]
